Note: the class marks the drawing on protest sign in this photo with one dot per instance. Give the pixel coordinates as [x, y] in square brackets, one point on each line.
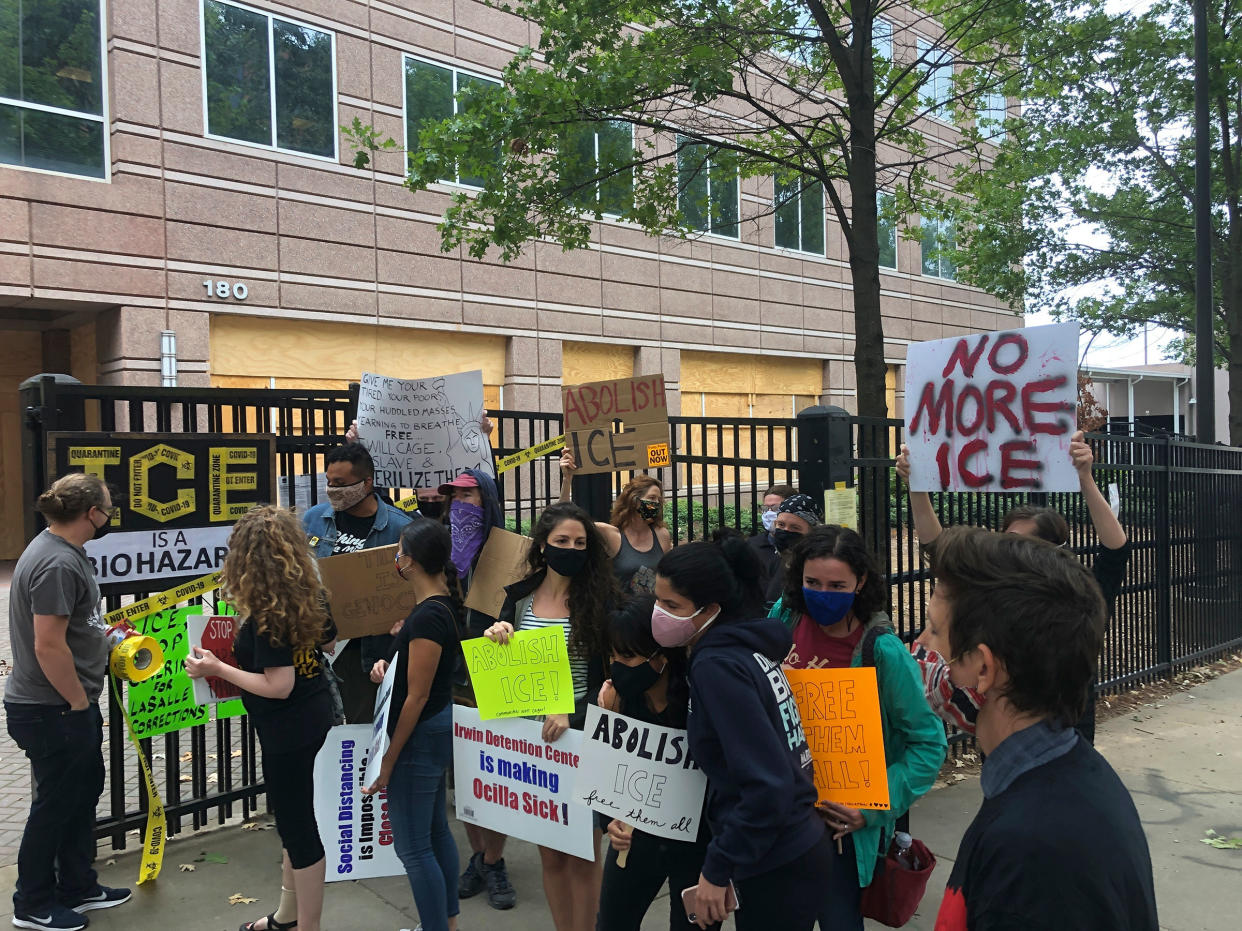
[366, 595]
[640, 405]
[641, 774]
[529, 675]
[506, 778]
[214, 633]
[502, 562]
[993, 411]
[165, 702]
[379, 726]
[182, 492]
[354, 828]
[840, 711]
[423, 432]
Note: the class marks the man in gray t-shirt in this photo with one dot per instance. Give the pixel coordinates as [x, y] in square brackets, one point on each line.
[51, 705]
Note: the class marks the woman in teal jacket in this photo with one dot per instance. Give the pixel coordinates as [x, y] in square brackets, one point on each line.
[833, 595]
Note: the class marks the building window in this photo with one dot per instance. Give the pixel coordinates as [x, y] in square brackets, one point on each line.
[800, 215]
[936, 65]
[269, 82]
[52, 86]
[437, 92]
[602, 172]
[882, 39]
[939, 241]
[707, 189]
[886, 229]
[992, 115]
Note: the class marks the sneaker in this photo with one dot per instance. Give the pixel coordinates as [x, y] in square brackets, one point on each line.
[102, 897]
[471, 881]
[52, 918]
[500, 894]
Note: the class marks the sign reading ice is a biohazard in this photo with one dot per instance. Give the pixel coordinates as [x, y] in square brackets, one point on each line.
[176, 497]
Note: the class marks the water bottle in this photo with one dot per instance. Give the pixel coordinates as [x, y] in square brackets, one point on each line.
[905, 855]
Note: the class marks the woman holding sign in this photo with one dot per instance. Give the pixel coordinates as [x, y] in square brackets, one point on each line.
[646, 682]
[570, 586]
[269, 575]
[834, 605]
[420, 727]
[769, 851]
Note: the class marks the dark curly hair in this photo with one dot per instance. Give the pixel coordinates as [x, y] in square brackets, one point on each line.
[592, 592]
[629, 631]
[832, 541]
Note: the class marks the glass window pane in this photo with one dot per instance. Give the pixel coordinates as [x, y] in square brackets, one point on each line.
[428, 98]
[886, 230]
[723, 192]
[578, 174]
[813, 218]
[305, 106]
[57, 42]
[787, 215]
[930, 249]
[239, 104]
[616, 167]
[471, 88]
[947, 240]
[882, 39]
[692, 185]
[36, 139]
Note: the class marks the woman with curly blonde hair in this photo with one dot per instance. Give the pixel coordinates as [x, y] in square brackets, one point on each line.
[635, 536]
[270, 577]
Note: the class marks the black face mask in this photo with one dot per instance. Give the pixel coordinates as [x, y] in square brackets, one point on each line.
[432, 509]
[563, 560]
[101, 531]
[632, 681]
[648, 511]
[785, 540]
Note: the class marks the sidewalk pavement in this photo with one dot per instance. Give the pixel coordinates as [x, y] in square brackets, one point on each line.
[1180, 757]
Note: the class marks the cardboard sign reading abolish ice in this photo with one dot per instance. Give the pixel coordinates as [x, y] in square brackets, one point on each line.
[640, 405]
[364, 591]
[641, 774]
[529, 675]
[840, 711]
[506, 778]
[993, 411]
[423, 432]
[354, 828]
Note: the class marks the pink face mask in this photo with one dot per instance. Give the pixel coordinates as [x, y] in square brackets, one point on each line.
[670, 630]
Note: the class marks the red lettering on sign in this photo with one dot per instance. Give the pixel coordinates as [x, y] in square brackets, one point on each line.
[1009, 339]
[968, 452]
[1031, 407]
[966, 357]
[1000, 395]
[936, 406]
[1010, 463]
[970, 393]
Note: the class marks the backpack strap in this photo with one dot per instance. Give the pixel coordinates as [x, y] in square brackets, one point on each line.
[868, 644]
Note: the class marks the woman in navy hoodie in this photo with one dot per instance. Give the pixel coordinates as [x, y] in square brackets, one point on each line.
[746, 734]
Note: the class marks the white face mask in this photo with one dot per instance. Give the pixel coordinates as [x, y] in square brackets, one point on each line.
[769, 520]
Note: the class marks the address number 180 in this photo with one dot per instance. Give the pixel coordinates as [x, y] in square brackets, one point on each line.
[223, 290]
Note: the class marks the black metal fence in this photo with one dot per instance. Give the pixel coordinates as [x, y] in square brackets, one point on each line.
[1181, 504]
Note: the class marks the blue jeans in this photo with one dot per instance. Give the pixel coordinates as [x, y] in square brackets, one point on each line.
[58, 844]
[416, 805]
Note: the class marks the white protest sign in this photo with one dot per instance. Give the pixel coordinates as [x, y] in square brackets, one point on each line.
[354, 828]
[379, 727]
[993, 411]
[145, 555]
[641, 774]
[506, 778]
[423, 432]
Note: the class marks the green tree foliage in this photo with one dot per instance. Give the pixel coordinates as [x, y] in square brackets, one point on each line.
[1089, 212]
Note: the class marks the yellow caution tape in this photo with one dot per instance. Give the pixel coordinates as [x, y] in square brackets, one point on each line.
[156, 832]
[137, 659]
[168, 599]
[409, 504]
[532, 452]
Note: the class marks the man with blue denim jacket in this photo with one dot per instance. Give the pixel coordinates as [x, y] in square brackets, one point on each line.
[354, 518]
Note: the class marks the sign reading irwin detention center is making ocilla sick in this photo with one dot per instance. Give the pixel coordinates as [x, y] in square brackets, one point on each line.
[177, 496]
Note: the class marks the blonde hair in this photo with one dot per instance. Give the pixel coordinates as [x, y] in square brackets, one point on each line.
[270, 576]
[71, 496]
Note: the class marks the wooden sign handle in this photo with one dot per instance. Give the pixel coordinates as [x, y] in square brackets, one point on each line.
[624, 856]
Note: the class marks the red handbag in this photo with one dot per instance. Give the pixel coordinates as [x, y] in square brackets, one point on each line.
[896, 890]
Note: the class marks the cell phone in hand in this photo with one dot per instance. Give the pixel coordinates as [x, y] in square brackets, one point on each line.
[690, 896]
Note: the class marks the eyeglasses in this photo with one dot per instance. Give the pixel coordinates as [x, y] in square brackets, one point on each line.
[106, 512]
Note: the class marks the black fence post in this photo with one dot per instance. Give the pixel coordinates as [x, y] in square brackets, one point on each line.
[593, 493]
[1164, 556]
[44, 411]
[825, 450]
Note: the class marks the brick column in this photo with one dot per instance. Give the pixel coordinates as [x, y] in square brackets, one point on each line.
[652, 360]
[127, 342]
[532, 374]
[839, 385]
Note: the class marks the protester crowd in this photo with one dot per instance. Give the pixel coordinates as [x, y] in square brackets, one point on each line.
[695, 636]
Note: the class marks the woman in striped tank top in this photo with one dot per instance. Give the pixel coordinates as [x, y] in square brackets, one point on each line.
[569, 585]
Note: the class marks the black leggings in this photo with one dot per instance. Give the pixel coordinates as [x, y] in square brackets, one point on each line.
[789, 897]
[628, 893]
[290, 778]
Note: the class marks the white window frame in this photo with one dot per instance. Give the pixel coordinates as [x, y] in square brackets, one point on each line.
[335, 157]
[939, 224]
[405, 107]
[995, 116]
[737, 178]
[823, 216]
[104, 118]
[937, 101]
[896, 232]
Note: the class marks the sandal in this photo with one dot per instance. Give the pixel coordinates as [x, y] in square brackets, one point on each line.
[272, 924]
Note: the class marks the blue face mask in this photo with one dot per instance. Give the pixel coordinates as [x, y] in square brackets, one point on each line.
[827, 608]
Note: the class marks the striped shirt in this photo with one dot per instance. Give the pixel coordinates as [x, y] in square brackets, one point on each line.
[577, 664]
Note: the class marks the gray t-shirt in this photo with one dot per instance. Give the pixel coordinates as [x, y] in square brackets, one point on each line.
[54, 577]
